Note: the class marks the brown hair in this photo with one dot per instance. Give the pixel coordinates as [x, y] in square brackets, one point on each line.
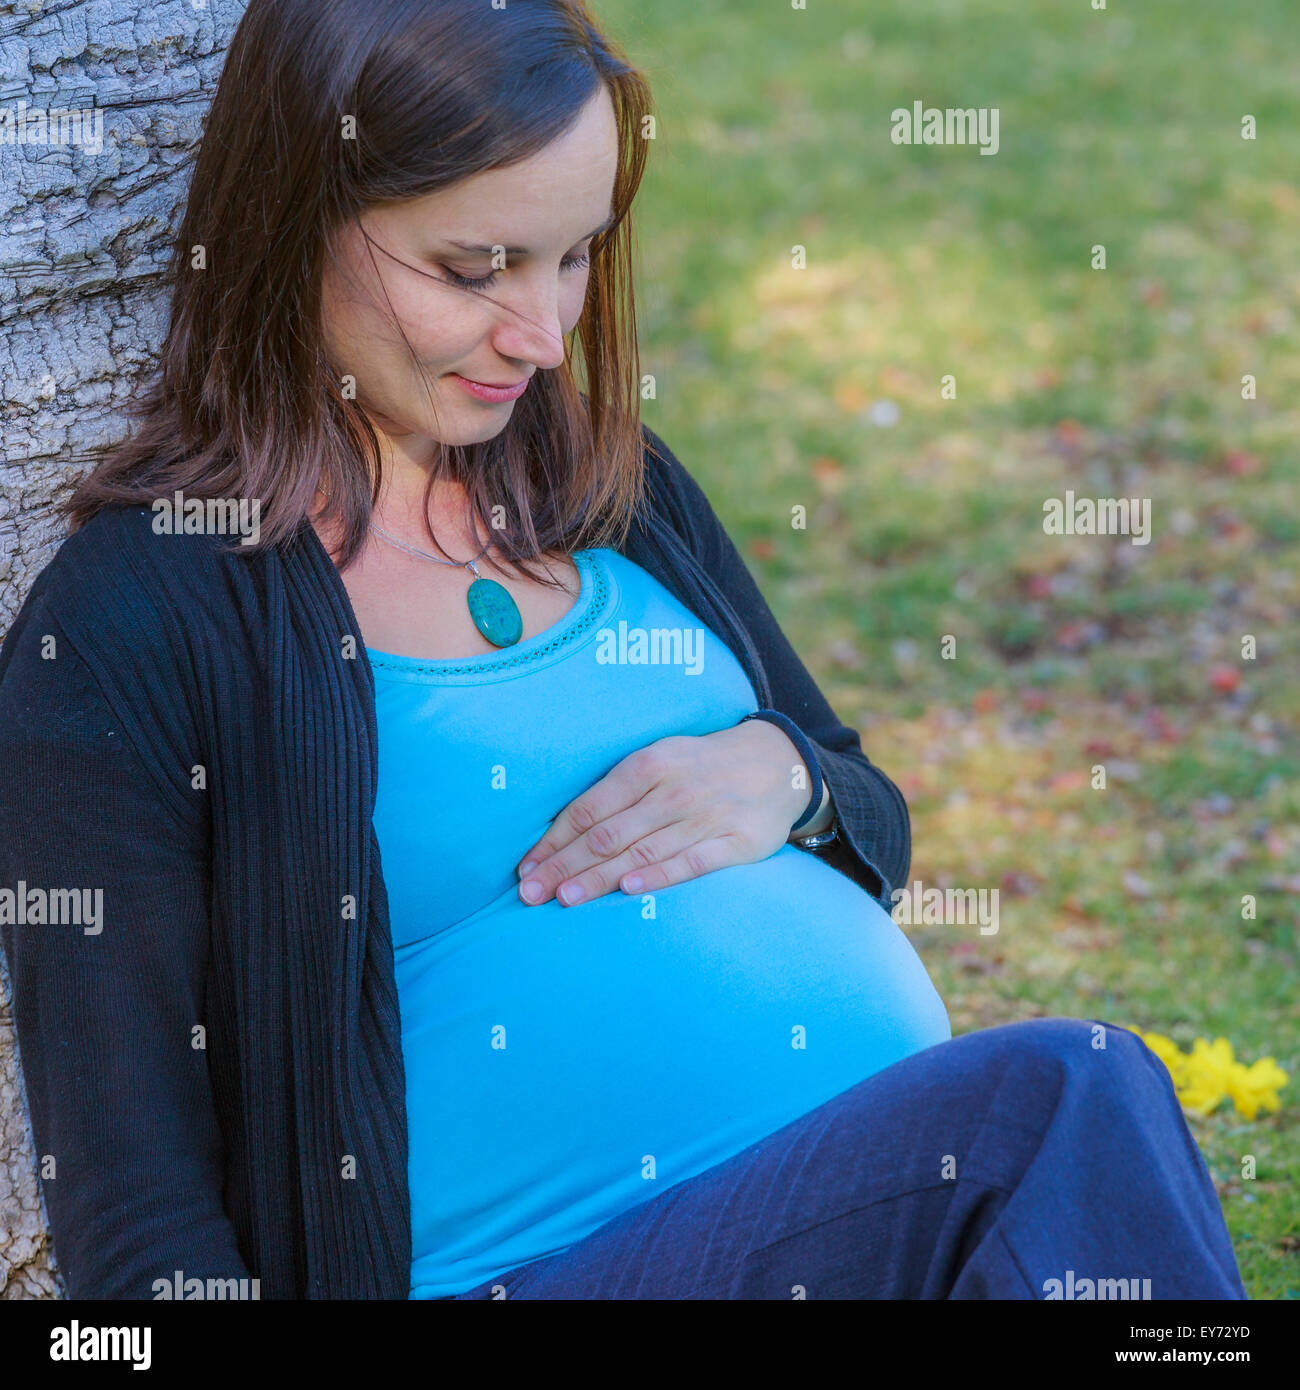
[245, 403]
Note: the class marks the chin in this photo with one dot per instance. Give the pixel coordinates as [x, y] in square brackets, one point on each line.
[464, 428]
[463, 437]
[457, 426]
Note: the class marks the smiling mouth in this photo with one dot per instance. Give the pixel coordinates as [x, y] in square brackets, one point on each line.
[488, 391]
[494, 385]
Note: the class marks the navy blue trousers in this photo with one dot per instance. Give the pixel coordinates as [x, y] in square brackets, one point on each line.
[987, 1166]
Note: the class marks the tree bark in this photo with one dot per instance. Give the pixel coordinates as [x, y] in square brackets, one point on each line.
[87, 237]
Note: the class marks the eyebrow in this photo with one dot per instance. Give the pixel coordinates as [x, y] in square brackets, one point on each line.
[523, 250]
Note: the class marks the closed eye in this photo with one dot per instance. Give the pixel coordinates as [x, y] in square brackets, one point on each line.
[482, 282]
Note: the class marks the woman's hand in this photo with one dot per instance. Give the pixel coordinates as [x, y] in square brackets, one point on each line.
[676, 809]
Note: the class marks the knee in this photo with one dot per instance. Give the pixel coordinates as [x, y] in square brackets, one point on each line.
[1085, 1050]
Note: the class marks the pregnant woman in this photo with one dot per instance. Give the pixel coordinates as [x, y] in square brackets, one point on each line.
[491, 905]
[554, 1053]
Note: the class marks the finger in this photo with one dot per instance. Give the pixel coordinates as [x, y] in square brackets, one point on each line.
[694, 861]
[613, 793]
[608, 842]
[639, 857]
[623, 786]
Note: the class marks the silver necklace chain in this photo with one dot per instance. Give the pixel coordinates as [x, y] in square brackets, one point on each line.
[471, 565]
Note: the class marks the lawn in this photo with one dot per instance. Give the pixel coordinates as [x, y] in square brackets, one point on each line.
[820, 388]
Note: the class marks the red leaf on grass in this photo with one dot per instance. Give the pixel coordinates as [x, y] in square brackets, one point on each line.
[1157, 726]
[1240, 463]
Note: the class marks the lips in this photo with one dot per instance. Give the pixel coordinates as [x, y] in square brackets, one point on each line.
[489, 391]
[496, 385]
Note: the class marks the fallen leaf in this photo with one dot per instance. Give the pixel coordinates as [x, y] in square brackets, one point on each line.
[1068, 433]
[1157, 726]
[826, 468]
[1240, 463]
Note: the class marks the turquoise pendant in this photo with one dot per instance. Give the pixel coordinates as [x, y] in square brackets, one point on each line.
[495, 613]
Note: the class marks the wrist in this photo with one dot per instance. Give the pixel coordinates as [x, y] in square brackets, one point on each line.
[821, 821]
[815, 803]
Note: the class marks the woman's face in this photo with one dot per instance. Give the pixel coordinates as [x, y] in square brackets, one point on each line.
[544, 211]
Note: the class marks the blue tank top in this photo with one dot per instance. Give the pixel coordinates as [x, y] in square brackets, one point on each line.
[564, 1064]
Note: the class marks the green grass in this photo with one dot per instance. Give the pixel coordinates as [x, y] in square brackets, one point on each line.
[820, 389]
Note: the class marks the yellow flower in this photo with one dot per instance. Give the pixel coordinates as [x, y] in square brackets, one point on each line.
[1166, 1049]
[1255, 1088]
[1204, 1076]
[1208, 1070]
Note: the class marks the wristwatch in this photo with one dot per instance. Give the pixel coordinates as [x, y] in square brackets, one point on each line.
[821, 841]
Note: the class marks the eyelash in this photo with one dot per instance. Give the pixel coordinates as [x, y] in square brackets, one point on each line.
[483, 281]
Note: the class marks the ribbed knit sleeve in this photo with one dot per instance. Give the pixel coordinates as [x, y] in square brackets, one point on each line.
[871, 810]
[109, 1020]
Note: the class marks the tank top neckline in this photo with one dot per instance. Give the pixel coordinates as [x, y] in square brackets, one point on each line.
[594, 598]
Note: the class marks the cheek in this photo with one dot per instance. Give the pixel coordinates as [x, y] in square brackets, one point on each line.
[366, 319]
[343, 320]
[361, 337]
[440, 325]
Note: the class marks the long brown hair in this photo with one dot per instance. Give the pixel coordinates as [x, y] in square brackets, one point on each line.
[246, 403]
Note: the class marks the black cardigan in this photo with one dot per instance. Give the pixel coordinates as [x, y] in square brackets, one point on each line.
[216, 1075]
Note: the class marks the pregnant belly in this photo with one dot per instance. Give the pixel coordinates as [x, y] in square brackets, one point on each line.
[565, 1064]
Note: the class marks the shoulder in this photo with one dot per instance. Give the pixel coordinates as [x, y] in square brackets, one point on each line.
[663, 468]
[113, 647]
[128, 542]
[115, 583]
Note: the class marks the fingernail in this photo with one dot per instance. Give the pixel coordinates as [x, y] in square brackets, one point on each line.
[531, 890]
[633, 883]
[526, 865]
[572, 893]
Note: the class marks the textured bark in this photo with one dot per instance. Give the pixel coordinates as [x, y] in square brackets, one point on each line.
[87, 235]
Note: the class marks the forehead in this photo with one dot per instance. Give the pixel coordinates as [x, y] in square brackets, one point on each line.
[557, 195]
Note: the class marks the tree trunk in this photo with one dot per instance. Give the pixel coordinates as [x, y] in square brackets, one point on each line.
[87, 235]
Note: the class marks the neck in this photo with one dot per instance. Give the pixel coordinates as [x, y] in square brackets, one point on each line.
[407, 460]
[407, 463]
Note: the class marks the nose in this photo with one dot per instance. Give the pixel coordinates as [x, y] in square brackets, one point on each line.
[529, 330]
